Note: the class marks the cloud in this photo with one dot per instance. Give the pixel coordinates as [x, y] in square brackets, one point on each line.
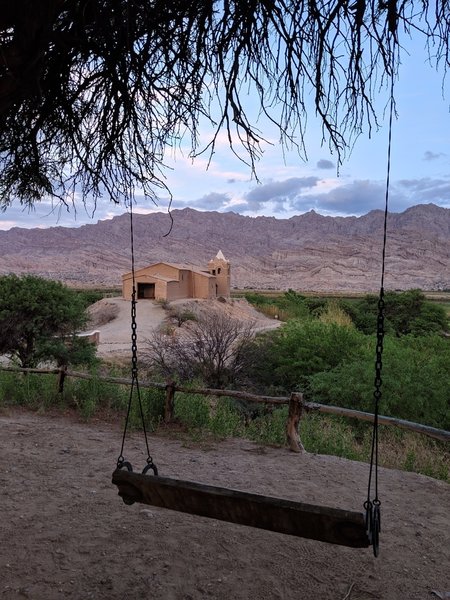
[283, 197]
[211, 201]
[426, 190]
[296, 195]
[278, 193]
[56, 214]
[325, 164]
[428, 155]
[5, 225]
[42, 215]
[362, 196]
[356, 198]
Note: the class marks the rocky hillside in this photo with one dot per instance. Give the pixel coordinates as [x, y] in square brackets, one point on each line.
[306, 252]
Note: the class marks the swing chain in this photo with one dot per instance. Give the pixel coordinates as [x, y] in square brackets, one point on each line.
[373, 507]
[379, 346]
[121, 462]
[134, 369]
[379, 350]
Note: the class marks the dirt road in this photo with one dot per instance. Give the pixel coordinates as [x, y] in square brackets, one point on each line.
[115, 336]
[66, 534]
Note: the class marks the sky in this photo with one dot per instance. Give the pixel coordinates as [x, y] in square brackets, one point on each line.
[288, 185]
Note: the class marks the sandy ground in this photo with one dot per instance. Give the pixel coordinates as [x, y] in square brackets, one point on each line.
[66, 534]
[115, 336]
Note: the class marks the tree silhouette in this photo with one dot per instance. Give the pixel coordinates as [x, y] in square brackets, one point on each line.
[94, 92]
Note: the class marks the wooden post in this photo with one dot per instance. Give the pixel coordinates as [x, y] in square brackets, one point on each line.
[170, 403]
[61, 378]
[294, 416]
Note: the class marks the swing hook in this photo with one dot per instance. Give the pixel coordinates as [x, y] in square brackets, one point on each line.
[373, 524]
[124, 464]
[150, 466]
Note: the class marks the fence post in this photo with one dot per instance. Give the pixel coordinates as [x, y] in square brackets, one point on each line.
[61, 378]
[294, 416]
[170, 402]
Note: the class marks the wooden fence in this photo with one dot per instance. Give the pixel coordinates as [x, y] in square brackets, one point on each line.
[297, 405]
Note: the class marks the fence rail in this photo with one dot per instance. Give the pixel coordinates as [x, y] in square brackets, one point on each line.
[297, 405]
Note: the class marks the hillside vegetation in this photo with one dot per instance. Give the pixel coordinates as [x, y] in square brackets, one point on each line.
[325, 348]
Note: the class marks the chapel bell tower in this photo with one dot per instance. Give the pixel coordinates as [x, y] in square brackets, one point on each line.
[219, 266]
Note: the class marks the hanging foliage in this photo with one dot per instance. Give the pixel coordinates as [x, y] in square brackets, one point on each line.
[94, 92]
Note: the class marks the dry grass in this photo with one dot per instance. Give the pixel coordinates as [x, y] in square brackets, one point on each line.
[408, 451]
[335, 314]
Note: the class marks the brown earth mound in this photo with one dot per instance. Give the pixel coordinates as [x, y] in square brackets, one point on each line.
[101, 313]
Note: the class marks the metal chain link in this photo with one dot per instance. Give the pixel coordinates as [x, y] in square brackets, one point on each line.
[121, 462]
[134, 369]
[372, 506]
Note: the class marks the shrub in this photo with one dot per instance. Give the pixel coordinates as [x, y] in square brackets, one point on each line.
[415, 380]
[290, 305]
[215, 349]
[153, 401]
[225, 420]
[181, 315]
[287, 358]
[28, 389]
[405, 313]
[192, 410]
[334, 313]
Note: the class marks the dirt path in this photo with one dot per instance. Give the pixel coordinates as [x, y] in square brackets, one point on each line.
[66, 534]
[115, 335]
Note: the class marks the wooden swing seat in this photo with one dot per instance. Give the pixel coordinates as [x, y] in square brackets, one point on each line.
[320, 523]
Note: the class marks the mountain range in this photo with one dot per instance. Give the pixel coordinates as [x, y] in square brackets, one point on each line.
[306, 252]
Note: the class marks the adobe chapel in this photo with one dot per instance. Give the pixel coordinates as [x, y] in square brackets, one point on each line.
[172, 281]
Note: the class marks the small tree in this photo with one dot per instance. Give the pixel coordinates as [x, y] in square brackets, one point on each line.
[214, 348]
[39, 320]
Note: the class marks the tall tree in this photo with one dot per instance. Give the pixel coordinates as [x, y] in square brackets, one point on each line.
[93, 92]
[39, 320]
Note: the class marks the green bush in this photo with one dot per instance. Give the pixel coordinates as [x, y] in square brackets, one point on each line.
[290, 305]
[39, 320]
[153, 402]
[90, 395]
[405, 313]
[192, 410]
[288, 357]
[225, 420]
[28, 389]
[269, 429]
[329, 435]
[89, 297]
[334, 313]
[415, 380]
